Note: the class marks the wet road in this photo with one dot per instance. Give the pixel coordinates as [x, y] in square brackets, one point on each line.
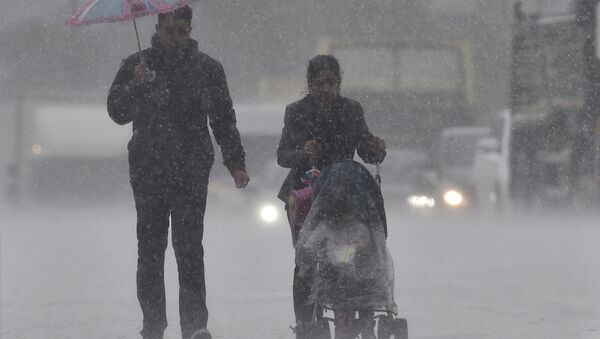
[70, 273]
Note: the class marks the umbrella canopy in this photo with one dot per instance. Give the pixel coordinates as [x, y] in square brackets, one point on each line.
[98, 11]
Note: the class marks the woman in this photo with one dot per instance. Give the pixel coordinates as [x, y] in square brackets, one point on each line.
[319, 130]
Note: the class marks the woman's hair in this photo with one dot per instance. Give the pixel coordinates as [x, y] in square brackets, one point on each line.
[322, 63]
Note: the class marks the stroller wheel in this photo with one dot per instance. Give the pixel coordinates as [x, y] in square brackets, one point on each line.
[389, 327]
[313, 330]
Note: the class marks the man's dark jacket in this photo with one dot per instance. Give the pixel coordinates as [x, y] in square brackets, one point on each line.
[341, 131]
[170, 134]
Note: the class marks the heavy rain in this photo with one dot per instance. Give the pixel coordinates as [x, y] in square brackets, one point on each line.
[471, 210]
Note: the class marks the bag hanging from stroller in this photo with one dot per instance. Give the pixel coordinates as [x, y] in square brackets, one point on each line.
[299, 202]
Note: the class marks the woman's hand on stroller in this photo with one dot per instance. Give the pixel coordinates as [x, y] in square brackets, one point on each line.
[378, 147]
[311, 149]
[378, 144]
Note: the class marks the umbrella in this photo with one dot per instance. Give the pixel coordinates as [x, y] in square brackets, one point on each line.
[98, 11]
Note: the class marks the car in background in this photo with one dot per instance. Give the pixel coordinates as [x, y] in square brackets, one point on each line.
[492, 166]
[408, 180]
[69, 151]
[437, 181]
[457, 170]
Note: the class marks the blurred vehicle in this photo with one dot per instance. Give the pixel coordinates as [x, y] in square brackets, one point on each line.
[446, 180]
[457, 166]
[409, 180]
[260, 127]
[492, 166]
[67, 151]
[555, 76]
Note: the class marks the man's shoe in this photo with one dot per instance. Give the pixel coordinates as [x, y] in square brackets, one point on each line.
[201, 334]
[153, 335]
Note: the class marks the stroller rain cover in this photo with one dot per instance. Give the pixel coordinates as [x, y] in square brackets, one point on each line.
[341, 245]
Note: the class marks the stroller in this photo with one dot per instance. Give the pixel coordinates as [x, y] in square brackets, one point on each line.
[342, 244]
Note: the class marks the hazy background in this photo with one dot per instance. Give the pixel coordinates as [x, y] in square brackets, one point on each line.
[257, 41]
[69, 271]
[253, 39]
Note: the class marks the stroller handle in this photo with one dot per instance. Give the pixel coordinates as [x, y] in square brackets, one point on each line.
[378, 173]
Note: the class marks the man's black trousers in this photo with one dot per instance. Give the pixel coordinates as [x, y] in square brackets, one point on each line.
[184, 204]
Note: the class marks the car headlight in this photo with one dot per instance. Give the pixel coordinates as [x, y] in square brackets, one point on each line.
[421, 201]
[269, 213]
[454, 198]
[36, 149]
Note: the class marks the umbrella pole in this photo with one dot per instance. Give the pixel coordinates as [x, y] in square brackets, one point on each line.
[137, 37]
[151, 74]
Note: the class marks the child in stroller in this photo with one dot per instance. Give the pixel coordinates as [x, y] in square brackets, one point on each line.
[342, 240]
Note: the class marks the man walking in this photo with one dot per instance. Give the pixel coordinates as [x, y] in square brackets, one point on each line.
[168, 92]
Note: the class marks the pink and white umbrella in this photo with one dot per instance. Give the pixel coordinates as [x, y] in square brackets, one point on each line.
[99, 11]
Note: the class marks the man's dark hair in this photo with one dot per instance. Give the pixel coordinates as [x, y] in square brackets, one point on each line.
[183, 13]
[323, 63]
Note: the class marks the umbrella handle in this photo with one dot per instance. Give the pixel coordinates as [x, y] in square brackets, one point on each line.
[150, 74]
[137, 36]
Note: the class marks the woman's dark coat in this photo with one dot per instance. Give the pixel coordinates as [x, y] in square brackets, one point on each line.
[342, 131]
